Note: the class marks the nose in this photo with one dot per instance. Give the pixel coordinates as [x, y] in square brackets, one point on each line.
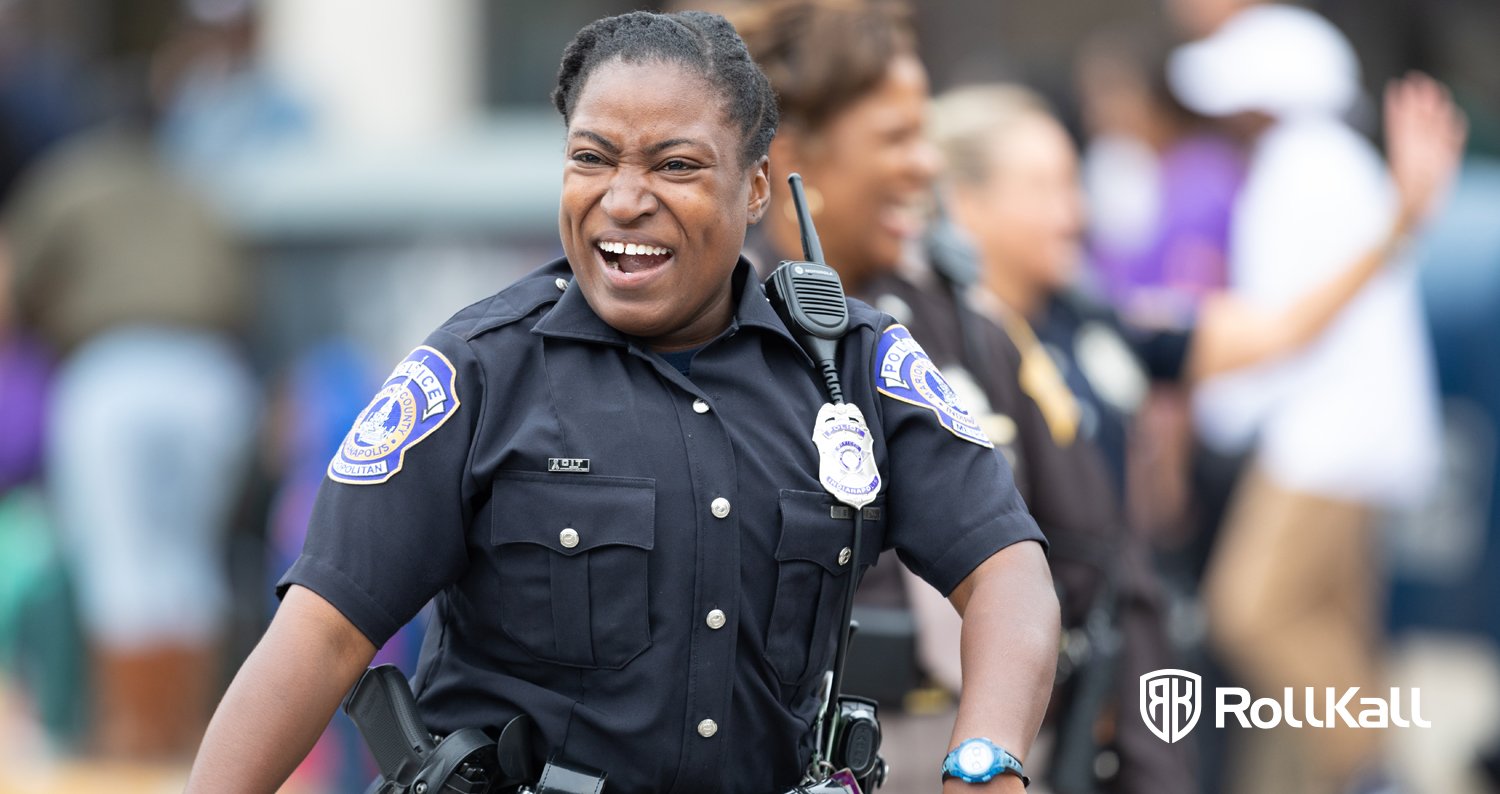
[924, 160]
[629, 196]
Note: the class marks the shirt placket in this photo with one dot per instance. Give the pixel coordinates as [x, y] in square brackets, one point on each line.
[716, 593]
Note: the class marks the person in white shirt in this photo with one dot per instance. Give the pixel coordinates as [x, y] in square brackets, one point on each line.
[1348, 427]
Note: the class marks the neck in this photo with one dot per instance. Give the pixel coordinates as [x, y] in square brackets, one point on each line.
[786, 242]
[785, 238]
[782, 231]
[709, 323]
[1017, 294]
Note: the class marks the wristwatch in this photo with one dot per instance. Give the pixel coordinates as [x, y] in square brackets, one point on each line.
[980, 760]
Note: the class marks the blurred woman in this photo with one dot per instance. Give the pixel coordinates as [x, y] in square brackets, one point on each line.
[853, 96]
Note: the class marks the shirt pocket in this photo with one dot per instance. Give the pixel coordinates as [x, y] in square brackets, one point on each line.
[571, 553]
[812, 561]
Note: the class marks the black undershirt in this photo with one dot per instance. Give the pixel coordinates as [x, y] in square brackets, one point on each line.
[681, 360]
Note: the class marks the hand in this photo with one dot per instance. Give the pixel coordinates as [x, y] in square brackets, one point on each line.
[1425, 133]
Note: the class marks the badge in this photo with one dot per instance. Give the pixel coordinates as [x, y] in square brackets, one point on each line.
[1110, 367]
[416, 399]
[903, 371]
[846, 455]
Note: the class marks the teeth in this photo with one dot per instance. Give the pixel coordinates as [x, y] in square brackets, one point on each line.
[633, 249]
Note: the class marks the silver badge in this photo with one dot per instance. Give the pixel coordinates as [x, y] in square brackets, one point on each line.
[846, 455]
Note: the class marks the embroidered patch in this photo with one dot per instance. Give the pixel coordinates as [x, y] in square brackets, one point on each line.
[416, 399]
[903, 371]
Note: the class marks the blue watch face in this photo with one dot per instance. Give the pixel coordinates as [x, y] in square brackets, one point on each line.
[976, 758]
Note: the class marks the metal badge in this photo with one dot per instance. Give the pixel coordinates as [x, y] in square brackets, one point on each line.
[846, 455]
[568, 465]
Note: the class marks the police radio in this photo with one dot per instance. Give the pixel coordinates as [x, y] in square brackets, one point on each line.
[809, 298]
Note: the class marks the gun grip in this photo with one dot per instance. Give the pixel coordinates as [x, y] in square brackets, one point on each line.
[383, 708]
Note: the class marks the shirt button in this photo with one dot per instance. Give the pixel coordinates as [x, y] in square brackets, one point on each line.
[719, 507]
[844, 555]
[716, 619]
[700, 406]
[562, 284]
[568, 538]
[707, 728]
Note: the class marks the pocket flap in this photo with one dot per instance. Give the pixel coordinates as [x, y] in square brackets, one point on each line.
[540, 508]
[810, 532]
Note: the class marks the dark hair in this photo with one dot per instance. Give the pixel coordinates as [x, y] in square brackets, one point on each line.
[703, 42]
[824, 55]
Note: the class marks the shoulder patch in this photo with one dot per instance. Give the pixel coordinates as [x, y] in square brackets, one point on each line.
[904, 371]
[416, 399]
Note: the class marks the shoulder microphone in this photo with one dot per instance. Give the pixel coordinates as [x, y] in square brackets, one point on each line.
[809, 297]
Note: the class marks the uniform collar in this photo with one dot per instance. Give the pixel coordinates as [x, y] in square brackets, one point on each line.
[572, 317]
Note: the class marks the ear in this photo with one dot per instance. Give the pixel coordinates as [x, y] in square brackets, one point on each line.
[760, 190]
[965, 205]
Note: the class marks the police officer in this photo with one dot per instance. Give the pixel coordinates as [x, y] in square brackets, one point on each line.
[603, 477]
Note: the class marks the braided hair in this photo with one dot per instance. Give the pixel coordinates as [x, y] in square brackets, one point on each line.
[702, 42]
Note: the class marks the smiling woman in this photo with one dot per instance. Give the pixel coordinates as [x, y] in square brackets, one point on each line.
[657, 194]
[656, 199]
[615, 506]
[853, 99]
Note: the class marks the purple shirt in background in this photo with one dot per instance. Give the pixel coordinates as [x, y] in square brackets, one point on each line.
[25, 369]
[1162, 281]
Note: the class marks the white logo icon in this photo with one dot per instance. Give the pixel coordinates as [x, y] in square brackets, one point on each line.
[1171, 701]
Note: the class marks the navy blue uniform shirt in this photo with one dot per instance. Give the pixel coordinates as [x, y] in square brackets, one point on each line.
[666, 614]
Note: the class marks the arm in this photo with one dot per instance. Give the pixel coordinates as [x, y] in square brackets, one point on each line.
[7, 291]
[1011, 634]
[1425, 134]
[282, 698]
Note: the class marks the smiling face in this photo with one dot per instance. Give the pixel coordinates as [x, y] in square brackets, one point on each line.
[874, 168]
[655, 202]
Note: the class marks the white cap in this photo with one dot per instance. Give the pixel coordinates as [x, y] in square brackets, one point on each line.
[1275, 59]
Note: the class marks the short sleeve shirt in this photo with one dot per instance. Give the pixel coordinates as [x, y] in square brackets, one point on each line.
[642, 561]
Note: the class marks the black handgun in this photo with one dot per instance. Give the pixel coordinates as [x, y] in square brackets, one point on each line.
[383, 708]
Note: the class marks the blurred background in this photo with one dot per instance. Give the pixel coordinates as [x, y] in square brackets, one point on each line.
[304, 188]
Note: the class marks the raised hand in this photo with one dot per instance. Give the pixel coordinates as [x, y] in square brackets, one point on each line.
[1425, 133]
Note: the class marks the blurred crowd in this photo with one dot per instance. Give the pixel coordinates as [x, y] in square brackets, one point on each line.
[1227, 310]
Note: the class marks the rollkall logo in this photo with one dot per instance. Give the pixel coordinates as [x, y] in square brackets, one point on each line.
[1171, 702]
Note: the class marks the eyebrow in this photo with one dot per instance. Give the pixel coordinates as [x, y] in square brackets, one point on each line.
[614, 148]
[662, 146]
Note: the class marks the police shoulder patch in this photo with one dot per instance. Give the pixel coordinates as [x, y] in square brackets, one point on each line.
[416, 399]
[904, 371]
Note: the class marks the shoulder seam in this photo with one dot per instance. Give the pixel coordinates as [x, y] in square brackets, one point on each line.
[501, 311]
[481, 408]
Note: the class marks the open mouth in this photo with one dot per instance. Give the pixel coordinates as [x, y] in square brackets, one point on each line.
[905, 219]
[633, 258]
